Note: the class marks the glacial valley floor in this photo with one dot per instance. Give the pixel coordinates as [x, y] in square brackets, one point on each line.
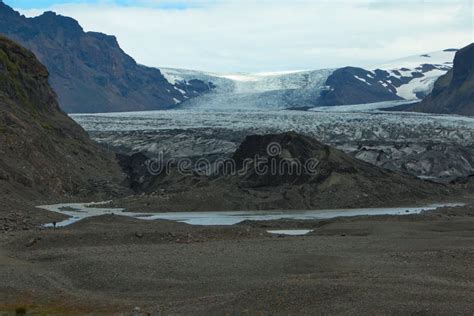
[414, 264]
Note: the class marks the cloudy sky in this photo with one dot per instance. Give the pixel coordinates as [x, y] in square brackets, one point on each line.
[254, 36]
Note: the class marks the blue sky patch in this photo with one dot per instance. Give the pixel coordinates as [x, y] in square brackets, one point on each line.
[35, 4]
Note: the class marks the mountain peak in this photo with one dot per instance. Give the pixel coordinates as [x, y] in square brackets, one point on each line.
[453, 92]
[50, 21]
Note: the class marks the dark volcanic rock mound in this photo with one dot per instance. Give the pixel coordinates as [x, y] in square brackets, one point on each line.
[329, 178]
[323, 167]
[290, 159]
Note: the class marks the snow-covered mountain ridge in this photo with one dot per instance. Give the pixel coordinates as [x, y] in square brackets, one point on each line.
[420, 71]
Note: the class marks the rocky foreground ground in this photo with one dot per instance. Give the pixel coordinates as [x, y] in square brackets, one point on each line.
[415, 264]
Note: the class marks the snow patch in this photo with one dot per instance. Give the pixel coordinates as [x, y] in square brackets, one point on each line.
[180, 90]
[412, 66]
[424, 84]
[362, 79]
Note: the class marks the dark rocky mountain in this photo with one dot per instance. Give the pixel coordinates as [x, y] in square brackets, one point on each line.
[43, 153]
[352, 85]
[453, 93]
[89, 71]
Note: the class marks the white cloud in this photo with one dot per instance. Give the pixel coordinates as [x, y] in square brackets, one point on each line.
[277, 35]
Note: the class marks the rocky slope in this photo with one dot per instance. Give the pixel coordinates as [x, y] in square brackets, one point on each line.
[89, 71]
[453, 93]
[43, 153]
